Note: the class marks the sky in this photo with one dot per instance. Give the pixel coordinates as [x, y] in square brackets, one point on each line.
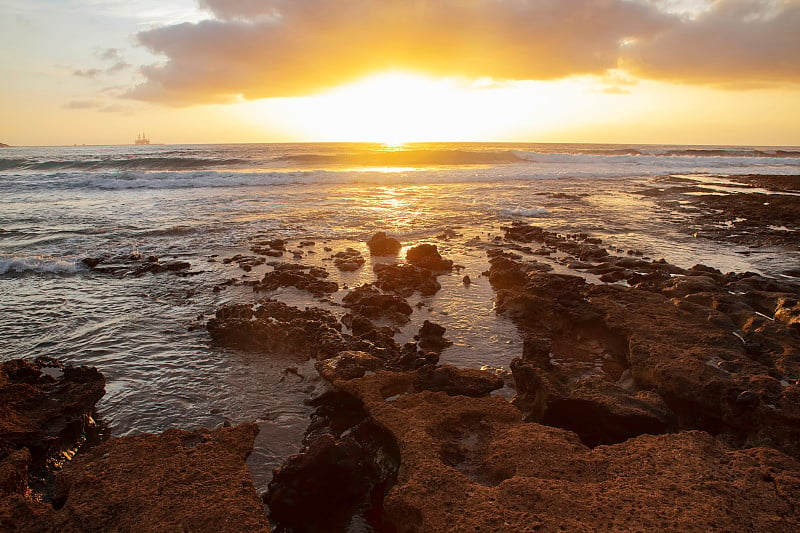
[714, 72]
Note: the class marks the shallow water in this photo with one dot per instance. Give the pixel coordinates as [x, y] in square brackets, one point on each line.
[202, 204]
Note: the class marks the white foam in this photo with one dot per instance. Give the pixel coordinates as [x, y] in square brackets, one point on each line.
[526, 212]
[40, 265]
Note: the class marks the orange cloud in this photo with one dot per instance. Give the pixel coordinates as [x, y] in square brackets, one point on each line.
[273, 48]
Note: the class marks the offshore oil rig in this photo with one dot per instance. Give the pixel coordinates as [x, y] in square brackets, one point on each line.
[142, 139]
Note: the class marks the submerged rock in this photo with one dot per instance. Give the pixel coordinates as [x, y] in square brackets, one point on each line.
[308, 279]
[349, 260]
[135, 265]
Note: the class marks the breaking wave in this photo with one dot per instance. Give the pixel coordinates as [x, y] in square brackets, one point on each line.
[38, 265]
[137, 163]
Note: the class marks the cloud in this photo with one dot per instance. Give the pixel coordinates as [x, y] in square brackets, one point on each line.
[106, 54]
[734, 43]
[110, 54]
[276, 48]
[81, 104]
[87, 73]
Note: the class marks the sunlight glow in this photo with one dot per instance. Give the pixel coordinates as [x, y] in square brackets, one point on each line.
[397, 107]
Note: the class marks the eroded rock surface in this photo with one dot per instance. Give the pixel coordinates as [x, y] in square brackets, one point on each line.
[472, 464]
[176, 481]
[46, 411]
[691, 349]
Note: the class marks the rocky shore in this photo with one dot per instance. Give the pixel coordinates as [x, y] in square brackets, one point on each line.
[646, 397]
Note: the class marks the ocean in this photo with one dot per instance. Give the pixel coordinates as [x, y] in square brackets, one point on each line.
[203, 204]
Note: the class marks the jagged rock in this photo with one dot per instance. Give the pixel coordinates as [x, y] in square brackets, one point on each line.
[431, 338]
[349, 260]
[380, 244]
[348, 365]
[270, 326]
[456, 381]
[428, 256]
[134, 265]
[312, 281]
[368, 301]
[275, 327]
[405, 280]
[696, 352]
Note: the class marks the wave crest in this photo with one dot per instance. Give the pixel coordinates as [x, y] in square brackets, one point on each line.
[38, 265]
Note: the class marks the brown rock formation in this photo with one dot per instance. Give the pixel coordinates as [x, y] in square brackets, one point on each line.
[406, 279]
[176, 481]
[702, 350]
[46, 410]
[428, 256]
[471, 464]
[381, 244]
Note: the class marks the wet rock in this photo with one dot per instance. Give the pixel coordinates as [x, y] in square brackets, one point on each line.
[381, 244]
[176, 481]
[312, 281]
[349, 260]
[348, 365]
[430, 338]
[273, 327]
[245, 262]
[456, 381]
[428, 256]
[134, 265]
[330, 478]
[405, 280]
[341, 476]
[696, 351]
[368, 301]
[47, 408]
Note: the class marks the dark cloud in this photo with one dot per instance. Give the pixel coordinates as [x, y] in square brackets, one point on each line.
[736, 43]
[271, 48]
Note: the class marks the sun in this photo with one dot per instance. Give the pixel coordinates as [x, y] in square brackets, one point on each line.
[391, 108]
[395, 107]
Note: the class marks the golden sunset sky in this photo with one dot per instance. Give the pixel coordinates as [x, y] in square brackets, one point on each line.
[209, 71]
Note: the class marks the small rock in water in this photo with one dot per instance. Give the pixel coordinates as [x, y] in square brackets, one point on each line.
[381, 244]
[466, 280]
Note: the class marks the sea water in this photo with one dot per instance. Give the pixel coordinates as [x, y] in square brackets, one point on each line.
[204, 203]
